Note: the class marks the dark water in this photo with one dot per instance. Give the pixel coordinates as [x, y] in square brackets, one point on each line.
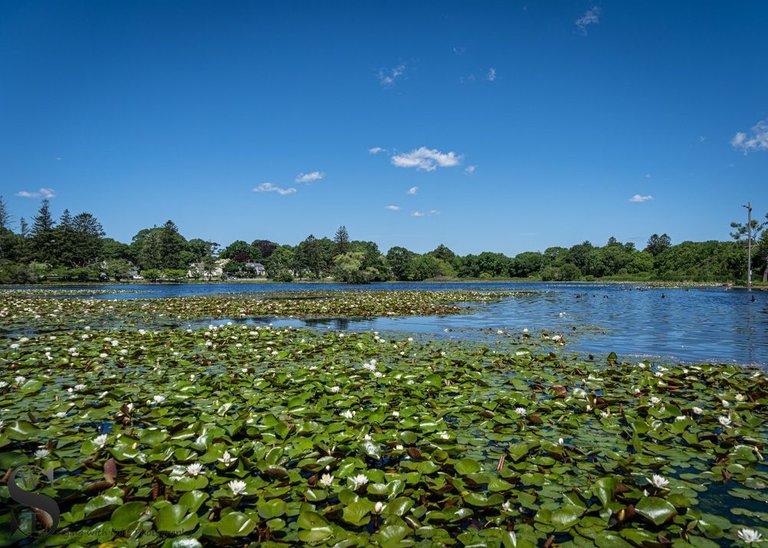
[696, 324]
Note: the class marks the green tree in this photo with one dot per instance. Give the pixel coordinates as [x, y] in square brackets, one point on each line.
[658, 244]
[262, 249]
[280, 263]
[42, 236]
[341, 240]
[88, 234]
[5, 220]
[526, 264]
[427, 266]
[239, 251]
[759, 251]
[399, 260]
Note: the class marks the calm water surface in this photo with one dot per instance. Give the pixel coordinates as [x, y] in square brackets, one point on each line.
[696, 324]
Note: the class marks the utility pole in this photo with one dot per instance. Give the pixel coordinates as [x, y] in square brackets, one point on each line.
[749, 245]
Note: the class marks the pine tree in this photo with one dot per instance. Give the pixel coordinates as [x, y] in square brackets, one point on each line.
[341, 239]
[4, 217]
[42, 241]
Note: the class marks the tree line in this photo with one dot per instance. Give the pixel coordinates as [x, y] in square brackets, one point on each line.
[75, 248]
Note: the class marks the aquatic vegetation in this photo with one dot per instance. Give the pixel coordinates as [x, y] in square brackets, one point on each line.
[56, 292]
[240, 434]
[20, 313]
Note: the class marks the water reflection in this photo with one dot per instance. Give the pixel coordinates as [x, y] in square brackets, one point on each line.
[697, 324]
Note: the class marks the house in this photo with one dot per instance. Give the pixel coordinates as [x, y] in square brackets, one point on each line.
[258, 268]
[208, 271]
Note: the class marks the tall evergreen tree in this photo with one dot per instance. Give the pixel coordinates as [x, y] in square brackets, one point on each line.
[43, 246]
[341, 239]
[5, 220]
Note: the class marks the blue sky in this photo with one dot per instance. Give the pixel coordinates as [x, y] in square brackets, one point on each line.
[501, 126]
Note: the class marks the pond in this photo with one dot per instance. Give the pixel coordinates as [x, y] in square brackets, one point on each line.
[679, 324]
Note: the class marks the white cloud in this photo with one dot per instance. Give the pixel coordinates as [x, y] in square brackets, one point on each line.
[491, 76]
[269, 187]
[46, 193]
[469, 170]
[426, 159]
[639, 198]
[413, 190]
[387, 78]
[758, 140]
[392, 207]
[376, 150]
[309, 177]
[590, 17]
[459, 50]
[430, 213]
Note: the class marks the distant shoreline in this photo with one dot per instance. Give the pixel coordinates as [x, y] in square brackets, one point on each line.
[261, 281]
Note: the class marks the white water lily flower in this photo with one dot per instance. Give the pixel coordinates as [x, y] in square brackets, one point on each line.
[697, 410]
[237, 487]
[521, 411]
[14, 346]
[358, 481]
[348, 414]
[560, 441]
[100, 440]
[725, 421]
[378, 507]
[740, 397]
[41, 453]
[20, 379]
[159, 398]
[507, 506]
[326, 480]
[335, 389]
[226, 458]
[60, 414]
[725, 403]
[378, 374]
[3, 384]
[660, 482]
[749, 536]
[655, 400]
[195, 469]
[395, 414]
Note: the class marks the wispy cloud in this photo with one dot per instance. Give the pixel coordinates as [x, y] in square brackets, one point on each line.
[491, 76]
[639, 198]
[757, 140]
[469, 170]
[430, 213]
[46, 193]
[413, 190]
[392, 207]
[376, 150]
[590, 17]
[269, 187]
[459, 50]
[389, 77]
[426, 159]
[310, 177]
